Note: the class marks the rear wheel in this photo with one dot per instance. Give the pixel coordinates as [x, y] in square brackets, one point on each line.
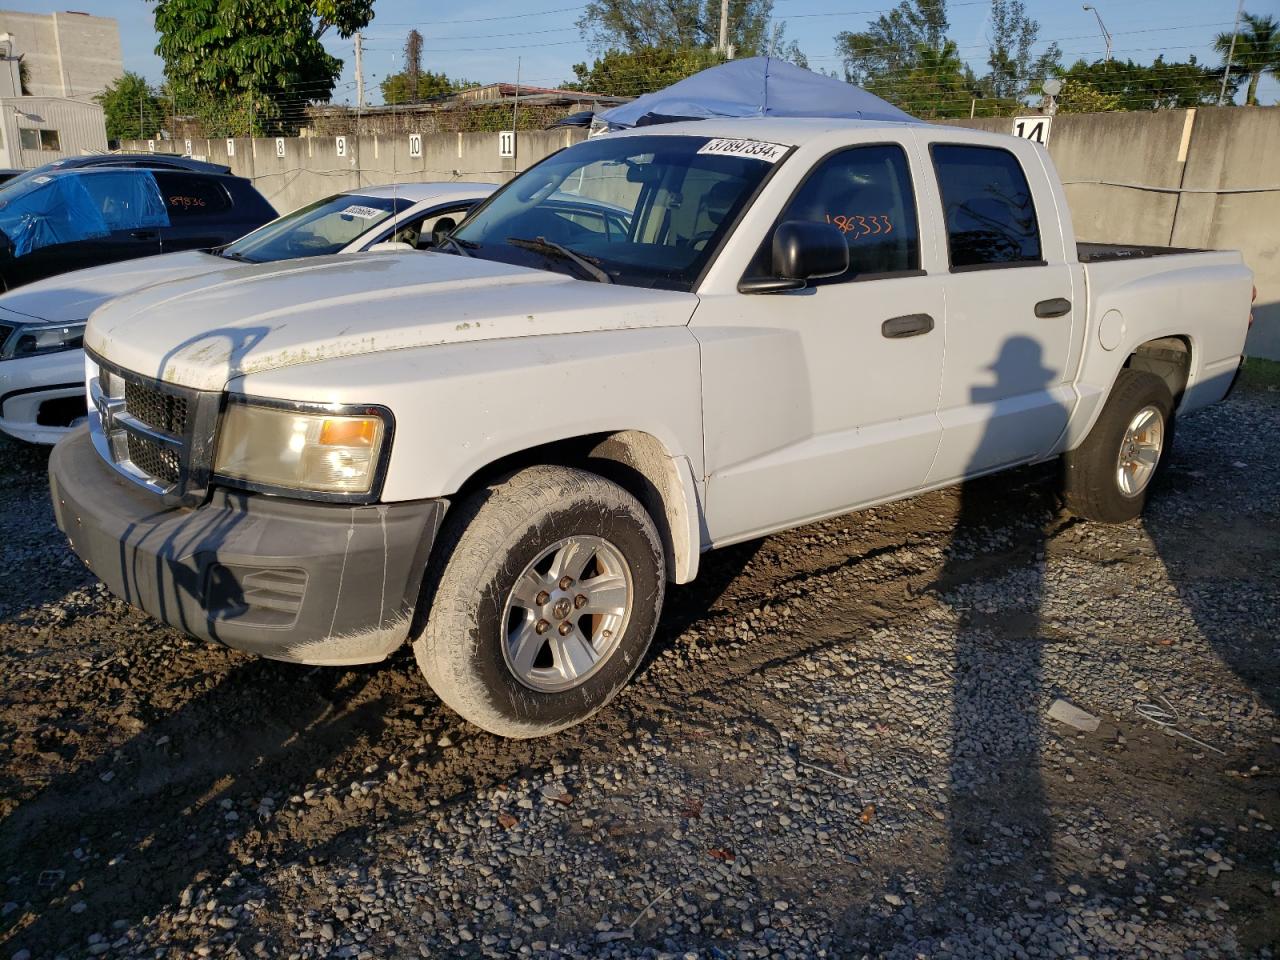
[1108, 476]
[545, 600]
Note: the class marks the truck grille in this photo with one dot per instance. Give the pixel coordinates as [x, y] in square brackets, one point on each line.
[156, 434]
[154, 459]
[163, 411]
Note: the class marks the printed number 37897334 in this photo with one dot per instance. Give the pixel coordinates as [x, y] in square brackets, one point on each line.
[859, 225]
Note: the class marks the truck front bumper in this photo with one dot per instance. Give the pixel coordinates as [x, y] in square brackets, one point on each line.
[288, 579]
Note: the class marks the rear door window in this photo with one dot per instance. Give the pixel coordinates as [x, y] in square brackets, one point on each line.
[987, 207]
[188, 197]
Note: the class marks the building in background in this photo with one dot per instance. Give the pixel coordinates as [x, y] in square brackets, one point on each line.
[67, 54]
[35, 130]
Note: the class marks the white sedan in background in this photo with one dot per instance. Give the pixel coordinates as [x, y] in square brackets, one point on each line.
[41, 324]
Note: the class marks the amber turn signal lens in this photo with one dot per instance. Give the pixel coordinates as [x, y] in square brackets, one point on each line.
[348, 432]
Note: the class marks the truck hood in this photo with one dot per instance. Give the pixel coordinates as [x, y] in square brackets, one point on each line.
[202, 332]
[71, 297]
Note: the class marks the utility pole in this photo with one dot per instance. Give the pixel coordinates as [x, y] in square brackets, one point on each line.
[359, 72]
[1226, 71]
[724, 28]
[141, 133]
[1101, 26]
[515, 105]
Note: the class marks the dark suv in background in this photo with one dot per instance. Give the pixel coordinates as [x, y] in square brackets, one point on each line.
[80, 215]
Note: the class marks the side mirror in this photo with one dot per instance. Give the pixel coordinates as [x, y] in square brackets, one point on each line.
[802, 251]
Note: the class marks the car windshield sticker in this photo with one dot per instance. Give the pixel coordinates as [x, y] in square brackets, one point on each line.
[43, 179]
[751, 149]
[364, 213]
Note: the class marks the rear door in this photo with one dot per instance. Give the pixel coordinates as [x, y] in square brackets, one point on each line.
[1011, 292]
[200, 209]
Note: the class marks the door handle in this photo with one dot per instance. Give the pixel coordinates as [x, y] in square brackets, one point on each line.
[911, 325]
[1057, 307]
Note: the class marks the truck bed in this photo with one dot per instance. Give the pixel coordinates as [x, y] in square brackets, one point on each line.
[1101, 252]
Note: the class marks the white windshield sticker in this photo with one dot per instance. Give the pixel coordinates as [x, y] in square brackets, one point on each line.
[751, 149]
[43, 179]
[364, 213]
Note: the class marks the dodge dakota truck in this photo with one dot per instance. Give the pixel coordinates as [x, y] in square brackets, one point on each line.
[648, 345]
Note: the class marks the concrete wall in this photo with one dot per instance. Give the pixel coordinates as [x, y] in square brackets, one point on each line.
[1168, 177]
[69, 54]
[311, 168]
[1155, 178]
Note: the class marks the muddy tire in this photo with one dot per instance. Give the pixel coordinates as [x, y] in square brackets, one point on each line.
[544, 600]
[1108, 476]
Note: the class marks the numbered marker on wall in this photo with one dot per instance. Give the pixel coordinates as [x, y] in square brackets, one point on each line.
[415, 144]
[340, 145]
[1034, 128]
[506, 143]
[279, 146]
[151, 146]
[186, 147]
[231, 147]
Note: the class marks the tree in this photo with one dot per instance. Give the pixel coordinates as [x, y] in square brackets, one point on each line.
[412, 64]
[779, 46]
[1159, 85]
[892, 44]
[1078, 96]
[399, 87]
[1257, 51]
[636, 25]
[131, 108]
[619, 73]
[1013, 34]
[252, 66]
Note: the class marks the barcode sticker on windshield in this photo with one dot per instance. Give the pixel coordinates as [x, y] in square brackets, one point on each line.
[751, 149]
[364, 213]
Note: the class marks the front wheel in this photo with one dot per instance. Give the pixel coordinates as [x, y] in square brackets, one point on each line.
[546, 597]
[1107, 477]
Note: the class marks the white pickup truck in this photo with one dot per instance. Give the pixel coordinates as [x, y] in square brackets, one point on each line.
[648, 345]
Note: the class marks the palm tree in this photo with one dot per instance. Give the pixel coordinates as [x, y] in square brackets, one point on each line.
[1257, 51]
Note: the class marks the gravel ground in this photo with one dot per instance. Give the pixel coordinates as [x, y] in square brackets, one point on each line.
[840, 746]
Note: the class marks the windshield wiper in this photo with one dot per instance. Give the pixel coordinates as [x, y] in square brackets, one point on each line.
[463, 247]
[543, 245]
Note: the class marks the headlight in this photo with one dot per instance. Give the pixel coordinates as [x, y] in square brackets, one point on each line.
[31, 340]
[283, 448]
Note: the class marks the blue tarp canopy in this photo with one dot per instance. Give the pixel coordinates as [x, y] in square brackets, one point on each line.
[755, 87]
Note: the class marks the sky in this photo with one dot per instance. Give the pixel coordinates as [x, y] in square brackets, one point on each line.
[485, 42]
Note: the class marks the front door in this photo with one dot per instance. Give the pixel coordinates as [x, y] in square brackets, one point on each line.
[1011, 302]
[824, 399]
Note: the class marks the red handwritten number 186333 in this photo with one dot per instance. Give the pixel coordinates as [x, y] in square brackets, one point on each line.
[861, 225]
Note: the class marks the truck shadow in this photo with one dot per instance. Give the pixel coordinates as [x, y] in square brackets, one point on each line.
[997, 812]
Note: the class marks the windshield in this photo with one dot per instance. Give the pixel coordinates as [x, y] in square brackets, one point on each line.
[646, 210]
[326, 226]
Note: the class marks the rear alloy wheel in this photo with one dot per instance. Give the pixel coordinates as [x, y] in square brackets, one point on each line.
[544, 600]
[1108, 476]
